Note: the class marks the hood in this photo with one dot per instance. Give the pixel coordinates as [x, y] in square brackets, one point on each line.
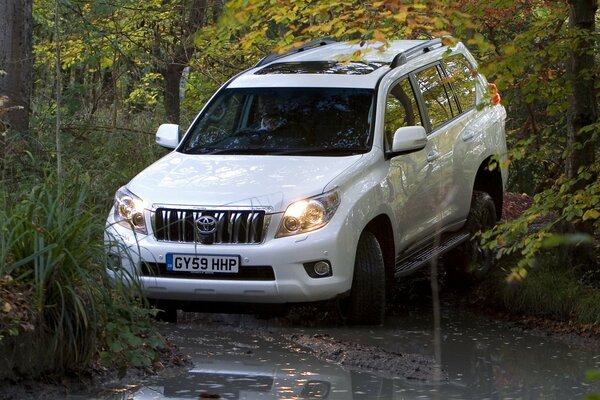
[236, 180]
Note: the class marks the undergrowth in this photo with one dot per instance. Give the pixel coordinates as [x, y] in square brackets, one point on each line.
[58, 311]
[551, 290]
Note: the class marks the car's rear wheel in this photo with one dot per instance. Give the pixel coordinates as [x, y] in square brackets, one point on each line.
[366, 303]
[471, 259]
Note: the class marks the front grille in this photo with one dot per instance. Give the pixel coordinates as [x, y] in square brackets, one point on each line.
[246, 273]
[232, 226]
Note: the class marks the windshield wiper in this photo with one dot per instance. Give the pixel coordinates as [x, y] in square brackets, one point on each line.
[235, 151]
[303, 151]
[308, 151]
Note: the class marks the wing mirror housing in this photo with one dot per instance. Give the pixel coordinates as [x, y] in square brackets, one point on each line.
[408, 139]
[167, 135]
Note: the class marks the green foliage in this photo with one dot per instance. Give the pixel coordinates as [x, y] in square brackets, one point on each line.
[58, 303]
[130, 338]
[591, 376]
[42, 249]
[545, 224]
[569, 299]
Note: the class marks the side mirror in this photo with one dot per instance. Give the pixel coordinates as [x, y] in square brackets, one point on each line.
[408, 139]
[167, 135]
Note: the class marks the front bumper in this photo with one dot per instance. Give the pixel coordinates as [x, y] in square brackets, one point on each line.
[286, 256]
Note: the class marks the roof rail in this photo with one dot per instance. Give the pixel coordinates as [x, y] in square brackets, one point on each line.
[402, 57]
[306, 46]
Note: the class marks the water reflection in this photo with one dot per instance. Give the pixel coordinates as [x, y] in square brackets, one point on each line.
[242, 358]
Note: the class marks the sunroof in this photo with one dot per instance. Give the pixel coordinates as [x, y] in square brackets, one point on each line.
[322, 67]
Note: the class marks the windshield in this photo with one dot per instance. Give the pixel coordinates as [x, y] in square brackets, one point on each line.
[279, 121]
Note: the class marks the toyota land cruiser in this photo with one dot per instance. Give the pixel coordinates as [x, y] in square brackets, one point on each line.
[312, 177]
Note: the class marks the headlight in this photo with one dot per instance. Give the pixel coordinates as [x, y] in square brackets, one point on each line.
[308, 214]
[129, 211]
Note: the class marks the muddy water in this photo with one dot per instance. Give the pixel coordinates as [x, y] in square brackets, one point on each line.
[240, 357]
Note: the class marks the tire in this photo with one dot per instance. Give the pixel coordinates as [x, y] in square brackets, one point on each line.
[471, 260]
[366, 303]
[167, 314]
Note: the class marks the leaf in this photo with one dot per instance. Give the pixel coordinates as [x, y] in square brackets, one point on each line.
[593, 375]
[6, 308]
[591, 214]
[573, 239]
[116, 347]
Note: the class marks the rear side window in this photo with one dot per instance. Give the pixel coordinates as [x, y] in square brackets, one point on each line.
[463, 77]
[438, 97]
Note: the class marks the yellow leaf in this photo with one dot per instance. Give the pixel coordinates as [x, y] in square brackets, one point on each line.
[380, 37]
[509, 50]
[522, 273]
[591, 214]
[6, 308]
[448, 41]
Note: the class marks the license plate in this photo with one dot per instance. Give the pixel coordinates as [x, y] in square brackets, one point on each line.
[202, 263]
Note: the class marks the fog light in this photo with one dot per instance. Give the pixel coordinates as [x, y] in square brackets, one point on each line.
[318, 269]
[322, 268]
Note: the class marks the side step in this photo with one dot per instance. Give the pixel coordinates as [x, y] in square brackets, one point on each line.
[406, 264]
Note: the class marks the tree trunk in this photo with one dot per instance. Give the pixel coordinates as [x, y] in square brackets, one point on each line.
[172, 80]
[582, 111]
[194, 18]
[582, 103]
[16, 60]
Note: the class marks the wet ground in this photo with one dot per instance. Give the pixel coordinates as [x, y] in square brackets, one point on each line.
[242, 357]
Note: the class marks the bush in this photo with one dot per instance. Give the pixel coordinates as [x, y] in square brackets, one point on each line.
[58, 310]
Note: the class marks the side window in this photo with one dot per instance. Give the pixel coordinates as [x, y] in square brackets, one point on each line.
[463, 77]
[400, 109]
[441, 107]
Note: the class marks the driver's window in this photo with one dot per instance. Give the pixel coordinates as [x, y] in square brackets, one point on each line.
[218, 122]
[400, 110]
[220, 119]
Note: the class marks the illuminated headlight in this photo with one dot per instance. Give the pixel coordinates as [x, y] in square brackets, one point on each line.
[308, 214]
[129, 211]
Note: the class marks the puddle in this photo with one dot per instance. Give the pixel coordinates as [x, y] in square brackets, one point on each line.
[240, 357]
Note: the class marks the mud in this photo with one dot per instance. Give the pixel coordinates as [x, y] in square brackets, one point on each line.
[370, 358]
[245, 357]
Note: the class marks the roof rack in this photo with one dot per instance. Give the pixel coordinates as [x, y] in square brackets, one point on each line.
[402, 57]
[306, 46]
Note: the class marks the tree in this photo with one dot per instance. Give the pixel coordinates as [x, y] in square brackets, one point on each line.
[125, 52]
[180, 52]
[583, 109]
[16, 60]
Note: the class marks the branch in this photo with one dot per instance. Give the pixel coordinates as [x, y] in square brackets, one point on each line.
[81, 129]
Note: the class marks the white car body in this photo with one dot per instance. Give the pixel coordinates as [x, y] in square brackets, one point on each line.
[421, 194]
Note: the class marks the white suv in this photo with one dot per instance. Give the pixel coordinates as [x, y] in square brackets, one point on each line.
[310, 177]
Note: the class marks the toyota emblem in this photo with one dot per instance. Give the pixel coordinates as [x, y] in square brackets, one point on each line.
[206, 225]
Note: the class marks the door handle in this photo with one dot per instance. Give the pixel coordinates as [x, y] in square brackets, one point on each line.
[432, 156]
[467, 135]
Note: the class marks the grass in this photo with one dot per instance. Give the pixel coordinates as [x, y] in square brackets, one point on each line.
[51, 248]
[550, 290]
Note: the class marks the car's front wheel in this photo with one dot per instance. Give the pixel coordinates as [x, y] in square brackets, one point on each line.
[366, 302]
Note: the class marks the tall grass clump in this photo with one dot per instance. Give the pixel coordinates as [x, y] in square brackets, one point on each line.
[551, 290]
[58, 311]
